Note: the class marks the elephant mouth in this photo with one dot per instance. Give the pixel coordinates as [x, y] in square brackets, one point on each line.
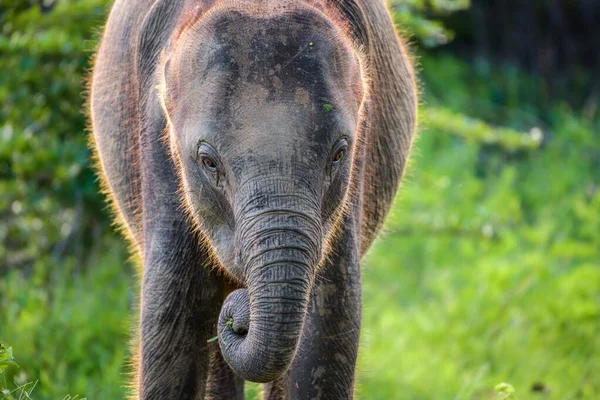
[234, 320]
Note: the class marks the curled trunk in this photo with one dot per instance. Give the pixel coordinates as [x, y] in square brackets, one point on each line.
[259, 327]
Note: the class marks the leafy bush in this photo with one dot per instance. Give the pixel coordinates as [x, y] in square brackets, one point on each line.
[50, 204]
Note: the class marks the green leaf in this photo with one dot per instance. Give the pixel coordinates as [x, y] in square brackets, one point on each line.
[213, 339]
[6, 358]
[505, 391]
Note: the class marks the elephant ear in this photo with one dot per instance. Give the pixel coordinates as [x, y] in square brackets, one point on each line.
[354, 15]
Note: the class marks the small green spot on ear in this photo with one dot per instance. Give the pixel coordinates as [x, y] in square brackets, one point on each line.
[229, 323]
[311, 44]
[213, 339]
[327, 107]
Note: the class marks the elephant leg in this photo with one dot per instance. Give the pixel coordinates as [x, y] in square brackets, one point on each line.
[179, 311]
[223, 383]
[181, 297]
[325, 363]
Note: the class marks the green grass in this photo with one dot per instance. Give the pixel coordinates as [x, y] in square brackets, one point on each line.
[489, 270]
[68, 325]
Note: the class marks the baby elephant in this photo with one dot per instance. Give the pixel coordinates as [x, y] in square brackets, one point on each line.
[251, 150]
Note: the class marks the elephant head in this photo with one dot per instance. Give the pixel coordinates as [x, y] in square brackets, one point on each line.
[264, 105]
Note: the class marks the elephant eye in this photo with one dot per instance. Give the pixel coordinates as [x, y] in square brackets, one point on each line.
[339, 156]
[339, 152]
[207, 157]
[209, 164]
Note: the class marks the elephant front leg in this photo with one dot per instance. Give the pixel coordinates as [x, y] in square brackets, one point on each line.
[179, 310]
[325, 362]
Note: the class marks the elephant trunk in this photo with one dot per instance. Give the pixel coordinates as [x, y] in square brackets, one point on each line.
[280, 246]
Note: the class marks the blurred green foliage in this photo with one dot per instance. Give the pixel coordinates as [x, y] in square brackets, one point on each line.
[416, 19]
[69, 327]
[50, 204]
[489, 270]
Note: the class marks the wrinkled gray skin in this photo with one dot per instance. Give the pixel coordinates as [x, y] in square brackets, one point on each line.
[252, 149]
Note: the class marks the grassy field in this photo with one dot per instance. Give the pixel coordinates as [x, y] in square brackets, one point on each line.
[488, 271]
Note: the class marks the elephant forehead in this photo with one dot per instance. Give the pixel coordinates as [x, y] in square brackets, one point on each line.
[251, 121]
[297, 56]
[259, 105]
